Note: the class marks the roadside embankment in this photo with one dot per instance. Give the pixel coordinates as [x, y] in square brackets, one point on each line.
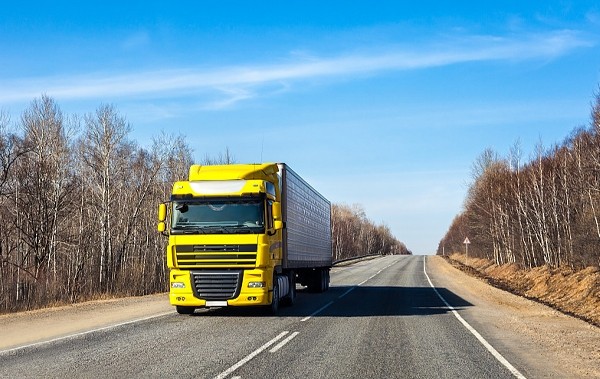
[576, 293]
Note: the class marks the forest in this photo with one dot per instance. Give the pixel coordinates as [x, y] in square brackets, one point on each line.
[78, 202]
[544, 211]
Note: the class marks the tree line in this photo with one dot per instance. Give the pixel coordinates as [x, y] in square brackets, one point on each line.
[542, 212]
[354, 234]
[78, 200]
[78, 204]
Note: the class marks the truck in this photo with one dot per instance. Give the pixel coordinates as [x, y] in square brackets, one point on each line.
[245, 235]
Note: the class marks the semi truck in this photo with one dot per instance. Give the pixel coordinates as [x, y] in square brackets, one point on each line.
[245, 235]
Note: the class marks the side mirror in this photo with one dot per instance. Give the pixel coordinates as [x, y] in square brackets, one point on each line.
[277, 224]
[162, 216]
[162, 212]
[277, 217]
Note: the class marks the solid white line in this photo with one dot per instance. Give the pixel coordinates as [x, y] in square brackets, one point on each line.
[285, 341]
[250, 356]
[317, 311]
[36, 344]
[479, 337]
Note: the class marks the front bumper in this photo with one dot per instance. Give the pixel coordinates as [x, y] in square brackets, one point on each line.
[186, 291]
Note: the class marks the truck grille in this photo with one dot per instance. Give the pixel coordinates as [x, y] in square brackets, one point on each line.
[217, 285]
[190, 256]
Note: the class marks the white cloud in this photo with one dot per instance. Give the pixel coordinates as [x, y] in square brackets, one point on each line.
[243, 82]
[231, 96]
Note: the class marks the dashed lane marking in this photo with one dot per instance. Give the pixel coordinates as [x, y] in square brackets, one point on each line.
[250, 356]
[284, 342]
[346, 293]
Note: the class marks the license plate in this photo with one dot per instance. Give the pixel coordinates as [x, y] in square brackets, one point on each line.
[216, 303]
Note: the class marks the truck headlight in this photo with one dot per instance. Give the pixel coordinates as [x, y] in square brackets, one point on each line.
[177, 285]
[256, 284]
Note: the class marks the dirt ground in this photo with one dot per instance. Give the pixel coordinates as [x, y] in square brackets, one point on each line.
[541, 340]
[576, 293]
[23, 328]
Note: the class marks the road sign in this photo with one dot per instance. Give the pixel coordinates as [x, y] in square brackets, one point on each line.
[467, 241]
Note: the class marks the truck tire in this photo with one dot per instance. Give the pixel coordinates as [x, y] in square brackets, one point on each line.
[184, 310]
[324, 281]
[318, 281]
[291, 296]
[274, 307]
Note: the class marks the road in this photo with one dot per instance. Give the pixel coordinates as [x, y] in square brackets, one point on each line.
[380, 319]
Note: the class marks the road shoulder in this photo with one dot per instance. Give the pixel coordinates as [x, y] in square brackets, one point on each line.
[537, 339]
[30, 327]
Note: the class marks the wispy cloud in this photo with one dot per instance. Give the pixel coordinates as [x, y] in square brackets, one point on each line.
[237, 83]
[230, 96]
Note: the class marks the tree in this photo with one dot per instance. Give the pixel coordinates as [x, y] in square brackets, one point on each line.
[106, 152]
[353, 234]
[542, 212]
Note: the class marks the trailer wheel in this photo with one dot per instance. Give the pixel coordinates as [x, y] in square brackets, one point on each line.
[324, 281]
[318, 281]
[184, 310]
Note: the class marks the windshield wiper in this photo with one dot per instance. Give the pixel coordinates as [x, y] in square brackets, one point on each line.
[246, 228]
[214, 228]
[223, 229]
[190, 229]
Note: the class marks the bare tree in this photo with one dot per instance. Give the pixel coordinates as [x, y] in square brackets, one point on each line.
[353, 234]
[542, 212]
[105, 151]
[222, 158]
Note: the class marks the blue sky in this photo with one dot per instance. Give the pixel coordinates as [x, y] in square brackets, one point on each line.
[382, 104]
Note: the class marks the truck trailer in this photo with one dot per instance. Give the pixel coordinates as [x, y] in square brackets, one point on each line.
[244, 235]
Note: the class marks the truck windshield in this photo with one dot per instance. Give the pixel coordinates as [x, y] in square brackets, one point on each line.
[218, 216]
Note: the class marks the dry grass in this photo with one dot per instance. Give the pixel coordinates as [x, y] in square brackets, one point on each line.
[573, 292]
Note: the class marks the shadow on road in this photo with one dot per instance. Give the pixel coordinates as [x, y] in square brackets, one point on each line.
[362, 301]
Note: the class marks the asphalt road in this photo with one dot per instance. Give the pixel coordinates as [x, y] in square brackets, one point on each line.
[380, 319]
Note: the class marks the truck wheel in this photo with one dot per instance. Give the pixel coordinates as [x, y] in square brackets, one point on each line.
[184, 310]
[316, 281]
[274, 307]
[323, 286]
[291, 296]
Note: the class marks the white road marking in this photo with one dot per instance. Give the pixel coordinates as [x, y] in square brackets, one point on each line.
[374, 275]
[317, 311]
[251, 356]
[479, 337]
[347, 292]
[70, 336]
[285, 341]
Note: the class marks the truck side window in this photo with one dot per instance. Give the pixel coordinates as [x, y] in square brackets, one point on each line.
[269, 214]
